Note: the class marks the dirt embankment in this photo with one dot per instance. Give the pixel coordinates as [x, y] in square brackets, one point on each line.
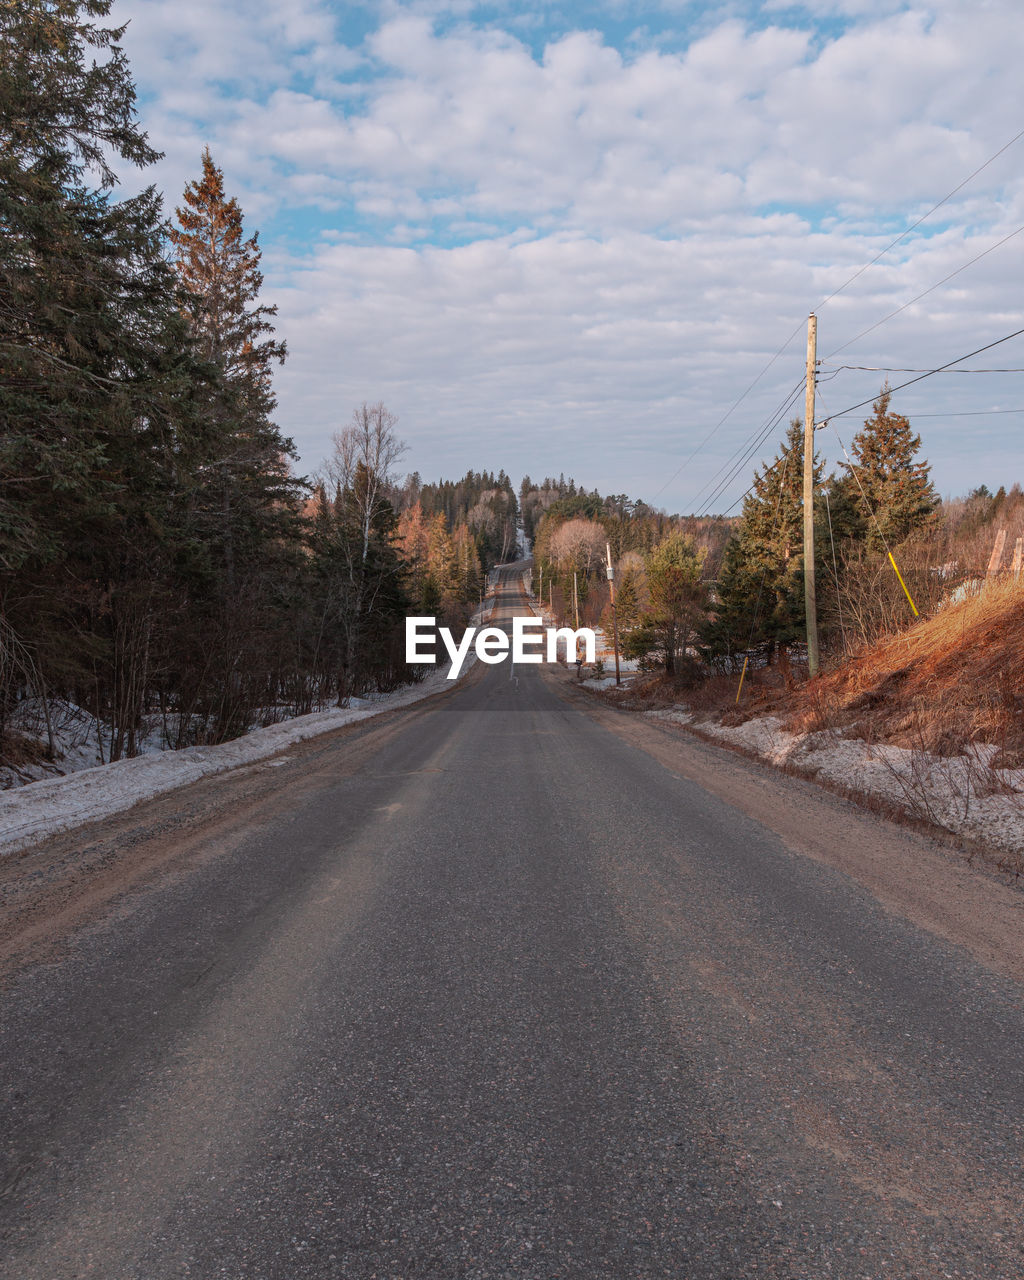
[927, 724]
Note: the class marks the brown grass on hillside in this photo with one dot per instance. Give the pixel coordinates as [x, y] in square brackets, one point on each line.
[952, 679]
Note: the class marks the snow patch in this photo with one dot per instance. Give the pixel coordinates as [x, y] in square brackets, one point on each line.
[963, 794]
[42, 809]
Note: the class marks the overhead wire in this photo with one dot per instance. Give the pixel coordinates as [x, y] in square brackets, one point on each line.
[750, 447]
[766, 426]
[923, 218]
[968, 413]
[881, 368]
[930, 372]
[728, 413]
[760, 434]
[924, 294]
[743, 455]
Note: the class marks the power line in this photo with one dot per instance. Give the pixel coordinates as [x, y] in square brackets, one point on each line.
[757, 435]
[930, 373]
[751, 445]
[748, 449]
[913, 227]
[903, 235]
[930, 289]
[727, 415]
[785, 454]
[968, 413]
[881, 368]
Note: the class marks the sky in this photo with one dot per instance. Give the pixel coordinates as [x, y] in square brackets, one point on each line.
[585, 238]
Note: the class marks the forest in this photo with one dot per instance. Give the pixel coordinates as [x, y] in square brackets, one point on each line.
[161, 558]
[696, 595]
[159, 555]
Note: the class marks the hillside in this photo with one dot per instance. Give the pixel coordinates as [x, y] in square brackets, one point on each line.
[951, 680]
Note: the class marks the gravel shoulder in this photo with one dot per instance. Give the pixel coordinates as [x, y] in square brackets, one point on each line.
[52, 888]
[915, 877]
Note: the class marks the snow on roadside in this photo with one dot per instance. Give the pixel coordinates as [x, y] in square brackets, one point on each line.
[32, 813]
[963, 794]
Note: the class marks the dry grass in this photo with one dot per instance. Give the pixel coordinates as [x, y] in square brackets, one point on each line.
[951, 680]
[18, 752]
[949, 691]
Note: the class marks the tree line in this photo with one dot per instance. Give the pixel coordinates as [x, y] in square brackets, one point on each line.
[694, 594]
[157, 552]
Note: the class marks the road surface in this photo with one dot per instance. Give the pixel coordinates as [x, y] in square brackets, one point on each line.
[508, 985]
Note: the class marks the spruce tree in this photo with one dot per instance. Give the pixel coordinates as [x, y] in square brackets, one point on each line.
[249, 496]
[759, 595]
[95, 367]
[78, 272]
[889, 494]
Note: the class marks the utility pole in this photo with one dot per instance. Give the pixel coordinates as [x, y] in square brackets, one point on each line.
[615, 614]
[810, 592]
[575, 600]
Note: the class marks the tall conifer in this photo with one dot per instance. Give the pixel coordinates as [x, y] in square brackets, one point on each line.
[890, 495]
[760, 588]
[249, 495]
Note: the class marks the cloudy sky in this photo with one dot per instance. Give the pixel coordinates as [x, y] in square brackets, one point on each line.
[570, 239]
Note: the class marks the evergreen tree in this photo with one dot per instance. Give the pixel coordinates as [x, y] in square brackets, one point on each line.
[96, 372]
[220, 271]
[412, 543]
[676, 602]
[245, 506]
[74, 267]
[759, 594]
[248, 494]
[890, 484]
[627, 597]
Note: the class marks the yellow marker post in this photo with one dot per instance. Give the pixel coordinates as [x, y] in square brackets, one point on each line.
[904, 586]
[742, 674]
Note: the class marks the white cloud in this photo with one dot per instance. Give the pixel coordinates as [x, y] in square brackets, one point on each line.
[676, 213]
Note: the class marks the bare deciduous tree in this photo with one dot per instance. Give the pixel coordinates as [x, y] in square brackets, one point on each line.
[369, 442]
[578, 545]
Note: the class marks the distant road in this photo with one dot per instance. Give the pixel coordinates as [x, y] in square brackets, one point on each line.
[508, 985]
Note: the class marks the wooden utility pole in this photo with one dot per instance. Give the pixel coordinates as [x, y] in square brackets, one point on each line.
[810, 592]
[575, 601]
[615, 615]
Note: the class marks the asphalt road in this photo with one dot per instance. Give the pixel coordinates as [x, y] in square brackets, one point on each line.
[495, 993]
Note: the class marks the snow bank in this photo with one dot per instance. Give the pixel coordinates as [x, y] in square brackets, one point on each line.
[963, 794]
[42, 809]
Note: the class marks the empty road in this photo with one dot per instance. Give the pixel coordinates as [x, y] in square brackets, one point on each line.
[508, 985]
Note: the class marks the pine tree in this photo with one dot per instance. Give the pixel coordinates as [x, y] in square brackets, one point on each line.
[676, 602]
[74, 265]
[889, 494]
[759, 595]
[249, 495]
[95, 367]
